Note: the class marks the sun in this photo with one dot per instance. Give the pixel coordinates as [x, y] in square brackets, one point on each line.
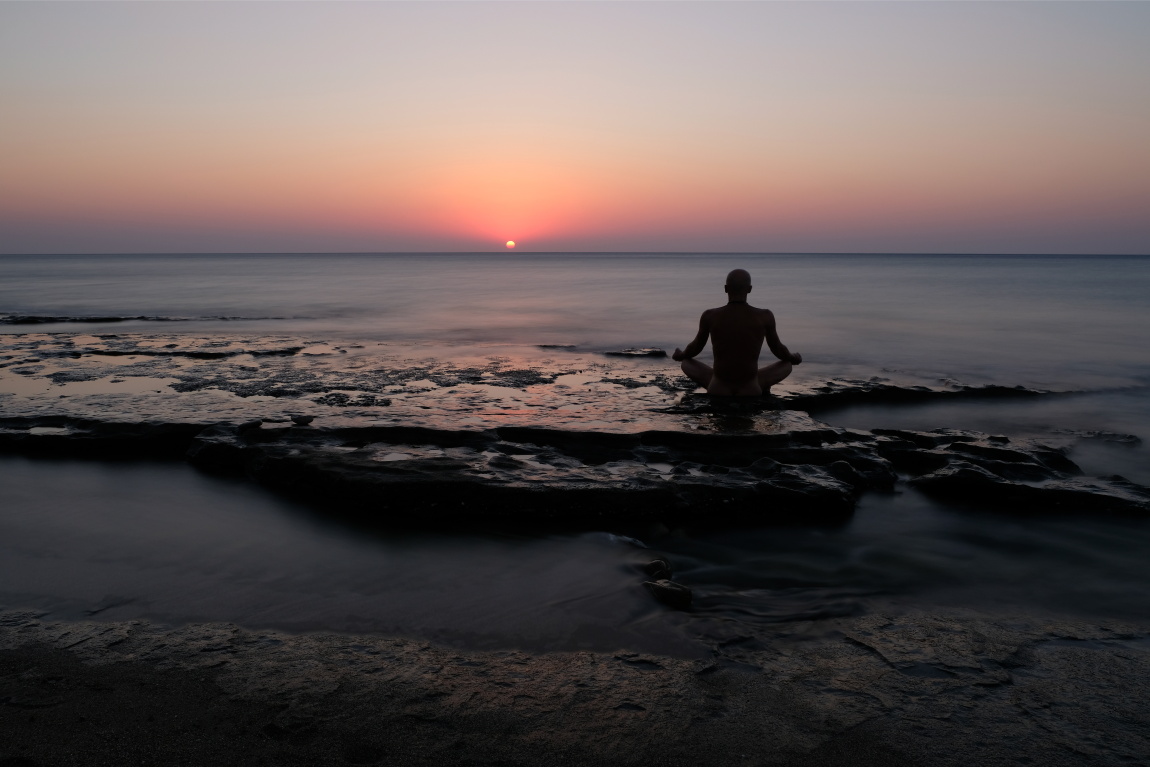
[511, 244]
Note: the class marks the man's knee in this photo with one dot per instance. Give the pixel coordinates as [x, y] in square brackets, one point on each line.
[772, 374]
[696, 371]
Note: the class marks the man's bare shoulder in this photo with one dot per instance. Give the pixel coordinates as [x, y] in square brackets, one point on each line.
[766, 315]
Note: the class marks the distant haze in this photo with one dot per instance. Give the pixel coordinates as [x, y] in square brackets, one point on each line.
[608, 126]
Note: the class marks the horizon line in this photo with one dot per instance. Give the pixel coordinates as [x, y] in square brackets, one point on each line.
[577, 253]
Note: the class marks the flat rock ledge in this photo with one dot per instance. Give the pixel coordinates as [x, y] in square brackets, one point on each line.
[802, 472]
[805, 475]
[949, 688]
[575, 438]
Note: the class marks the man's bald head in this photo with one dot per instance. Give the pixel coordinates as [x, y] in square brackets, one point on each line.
[738, 285]
[739, 278]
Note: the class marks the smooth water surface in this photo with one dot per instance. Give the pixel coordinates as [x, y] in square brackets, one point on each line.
[161, 541]
[1059, 322]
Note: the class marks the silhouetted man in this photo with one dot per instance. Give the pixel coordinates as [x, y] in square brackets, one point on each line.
[737, 331]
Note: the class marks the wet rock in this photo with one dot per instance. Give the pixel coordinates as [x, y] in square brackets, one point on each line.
[863, 469]
[907, 457]
[340, 399]
[658, 569]
[1051, 458]
[302, 420]
[222, 449]
[841, 393]
[1105, 436]
[925, 440]
[923, 453]
[61, 436]
[844, 472]
[520, 378]
[670, 593]
[950, 688]
[644, 352]
[626, 383]
[974, 484]
[482, 477]
[72, 376]
[475, 438]
[34, 319]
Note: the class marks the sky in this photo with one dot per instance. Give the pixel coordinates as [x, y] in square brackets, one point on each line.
[954, 127]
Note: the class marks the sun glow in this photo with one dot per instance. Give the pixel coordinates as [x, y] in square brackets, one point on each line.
[511, 244]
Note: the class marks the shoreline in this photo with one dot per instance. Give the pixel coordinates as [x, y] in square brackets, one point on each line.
[481, 438]
[561, 439]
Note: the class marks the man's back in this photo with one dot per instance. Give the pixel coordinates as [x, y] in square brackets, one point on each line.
[737, 332]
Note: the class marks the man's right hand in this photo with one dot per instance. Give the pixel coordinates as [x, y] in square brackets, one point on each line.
[678, 355]
[796, 359]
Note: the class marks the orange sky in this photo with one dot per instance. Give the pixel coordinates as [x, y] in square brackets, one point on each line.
[845, 127]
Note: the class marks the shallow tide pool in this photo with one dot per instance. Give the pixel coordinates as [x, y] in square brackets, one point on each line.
[164, 542]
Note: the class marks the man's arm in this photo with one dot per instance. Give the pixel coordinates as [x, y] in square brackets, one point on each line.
[700, 341]
[776, 346]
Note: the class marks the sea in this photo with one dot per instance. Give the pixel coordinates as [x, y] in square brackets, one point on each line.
[158, 540]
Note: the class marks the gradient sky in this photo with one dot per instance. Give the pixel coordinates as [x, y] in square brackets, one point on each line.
[994, 127]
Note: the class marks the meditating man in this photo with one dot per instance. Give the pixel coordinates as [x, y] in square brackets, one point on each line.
[737, 331]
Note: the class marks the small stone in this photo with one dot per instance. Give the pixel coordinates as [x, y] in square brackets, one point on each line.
[670, 593]
[302, 420]
[658, 569]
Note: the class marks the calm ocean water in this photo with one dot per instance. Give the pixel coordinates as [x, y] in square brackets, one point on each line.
[161, 541]
[1053, 321]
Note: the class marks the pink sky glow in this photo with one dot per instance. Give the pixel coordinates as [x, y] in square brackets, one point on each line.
[762, 127]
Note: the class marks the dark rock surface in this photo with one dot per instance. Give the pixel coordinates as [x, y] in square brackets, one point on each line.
[527, 476]
[69, 436]
[658, 569]
[41, 319]
[839, 393]
[811, 472]
[644, 352]
[946, 689]
[980, 485]
[668, 592]
[498, 437]
[466, 438]
[98, 319]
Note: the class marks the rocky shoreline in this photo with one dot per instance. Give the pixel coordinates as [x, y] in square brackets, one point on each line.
[580, 439]
[946, 688]
[575, 440]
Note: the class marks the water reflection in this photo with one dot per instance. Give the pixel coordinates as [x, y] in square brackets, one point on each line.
[162, 542]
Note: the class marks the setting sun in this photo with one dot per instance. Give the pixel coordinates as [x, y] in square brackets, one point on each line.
[511, 243]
